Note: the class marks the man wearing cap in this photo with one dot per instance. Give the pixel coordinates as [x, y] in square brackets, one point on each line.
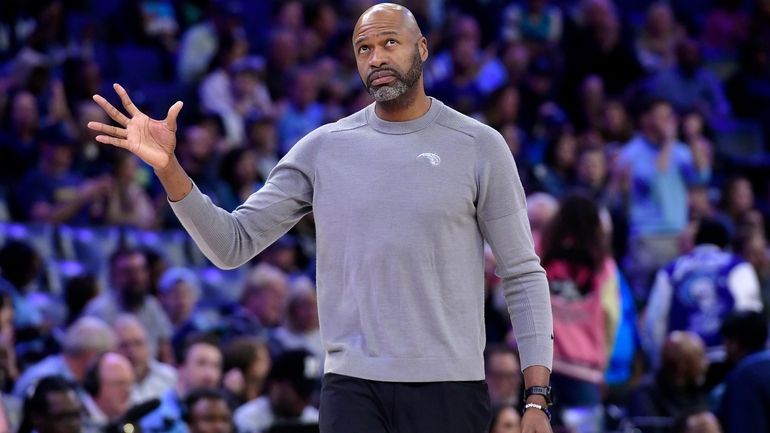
[404, 193]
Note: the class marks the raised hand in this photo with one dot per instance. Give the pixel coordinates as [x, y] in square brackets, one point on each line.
[151, 140]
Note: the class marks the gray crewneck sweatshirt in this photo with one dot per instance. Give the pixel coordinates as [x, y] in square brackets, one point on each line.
[401, 211]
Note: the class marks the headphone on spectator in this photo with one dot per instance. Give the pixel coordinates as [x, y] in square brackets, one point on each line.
[91, 382]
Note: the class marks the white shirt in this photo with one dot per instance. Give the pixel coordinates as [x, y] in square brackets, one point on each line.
[256, 416]
[160, 378]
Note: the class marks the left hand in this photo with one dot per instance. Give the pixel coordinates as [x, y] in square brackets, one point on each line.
[535, 421]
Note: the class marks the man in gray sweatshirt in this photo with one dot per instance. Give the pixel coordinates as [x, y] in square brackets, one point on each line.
[404, 193]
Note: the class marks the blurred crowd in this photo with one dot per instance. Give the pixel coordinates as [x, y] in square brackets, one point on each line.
[640, 130]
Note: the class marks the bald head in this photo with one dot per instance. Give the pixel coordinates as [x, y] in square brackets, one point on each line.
[390, 12]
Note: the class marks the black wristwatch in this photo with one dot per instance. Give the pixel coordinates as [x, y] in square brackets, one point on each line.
[545, 391]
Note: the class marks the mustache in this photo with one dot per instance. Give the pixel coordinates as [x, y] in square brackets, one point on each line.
[391, 70]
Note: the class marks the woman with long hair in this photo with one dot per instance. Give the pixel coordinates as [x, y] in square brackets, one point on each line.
[585, 298]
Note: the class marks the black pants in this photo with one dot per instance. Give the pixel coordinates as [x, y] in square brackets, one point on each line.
[352, 405]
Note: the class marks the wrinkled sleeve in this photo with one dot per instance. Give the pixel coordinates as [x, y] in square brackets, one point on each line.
[502, 216]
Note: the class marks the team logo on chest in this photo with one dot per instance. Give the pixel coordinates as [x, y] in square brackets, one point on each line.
[432, 158]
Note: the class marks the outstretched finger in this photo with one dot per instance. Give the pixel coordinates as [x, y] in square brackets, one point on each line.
[173, 113]
[108, 129]
[106, 139]
[126, 100]
[111, 111]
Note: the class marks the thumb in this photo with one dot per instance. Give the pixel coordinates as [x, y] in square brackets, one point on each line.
[173, 112]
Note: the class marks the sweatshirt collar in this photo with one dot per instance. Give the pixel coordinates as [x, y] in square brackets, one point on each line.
[407, 126]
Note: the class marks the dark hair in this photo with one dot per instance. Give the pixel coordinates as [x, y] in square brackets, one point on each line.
[496, 411]
[711, 231]
[241, 352]
[91, 380]
[124, 252]
[291, 366]
[747, 328]
[199, 394]
[78, 291]
[36, 399]
[20, 263]
[192, 340]
[575, 233]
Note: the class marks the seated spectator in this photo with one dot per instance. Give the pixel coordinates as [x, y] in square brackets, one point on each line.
[698, 290]
[674, 388]
[152, 378]
[591, 173]
[747, 388]
[301, 329]
[264, 295]
[53, 406]
[108, 384]
[21, 267]
[656, 45]
[558, 170]
[289, 389]
[535, 21]
[737, 200]
[207, 410]
[129, 293]
[690, 86]
[301, 113]
[128, 204]
[464, 75]
[53, 193]
[78, 292]
[19, 151]
[239, 170]
[503, 375]
[84, 341]
[659, 168]
[179, 292]
[262, 137]
[200, 366]
[505, 419]
[247, 363]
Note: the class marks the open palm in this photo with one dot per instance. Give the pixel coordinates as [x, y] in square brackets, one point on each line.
[151, 140]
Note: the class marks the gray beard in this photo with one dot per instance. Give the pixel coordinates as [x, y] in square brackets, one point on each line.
[389, 93]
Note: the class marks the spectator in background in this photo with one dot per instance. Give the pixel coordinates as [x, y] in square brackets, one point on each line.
[535, 21]
[585, 298]
[262, 138]
[290, 385]
[301, 329]
[657, 41]
[129, 293]
[239, 170]
[301, 113]
[207, 410]
[54, 193]
[78, 292]
[465, 75]
[282, 58]
[19, 152]
[675, 388]
[541, 208]
[108, 384]
[616, 126]
[247, 363]
[127, 203]
[752, 247]
[179, 292]
[591, 173]
[53, 406]
[152, 377]
[698, 290]
[199, 154]
[264, 295]
[659, 169]
[20, 271]
[505, 419]
[200, 366]
[747, 387]
[725, 29]
[737, 200]
[690, 86]
[91, 159]
[595, 44]
[200, 42]
[558, 170]
[83, 342]
[503, 373]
